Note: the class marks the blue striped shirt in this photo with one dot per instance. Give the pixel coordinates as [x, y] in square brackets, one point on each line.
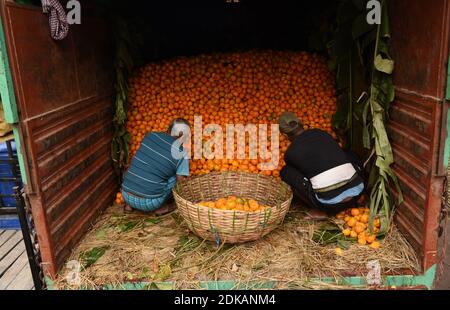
[153, 165]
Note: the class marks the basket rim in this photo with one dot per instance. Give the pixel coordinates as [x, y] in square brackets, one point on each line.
[205, 175]
[234, 211]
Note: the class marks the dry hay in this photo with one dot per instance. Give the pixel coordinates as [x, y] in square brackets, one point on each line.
[139, 248]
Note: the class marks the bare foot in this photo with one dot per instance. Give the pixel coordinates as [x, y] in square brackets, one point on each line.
[315, 215]
[127, 209]
[165, 209]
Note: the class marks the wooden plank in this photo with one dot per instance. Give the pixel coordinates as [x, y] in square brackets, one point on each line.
[23, 280]
[10, 244]
[5, 236]
[11, 257]
[8, 277]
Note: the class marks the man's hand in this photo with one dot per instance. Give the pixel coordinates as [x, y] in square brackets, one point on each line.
[181, 178]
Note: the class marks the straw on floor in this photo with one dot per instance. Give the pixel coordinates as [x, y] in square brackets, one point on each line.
[125, 247]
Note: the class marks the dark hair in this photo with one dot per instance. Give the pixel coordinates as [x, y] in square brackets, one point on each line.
[177, 121]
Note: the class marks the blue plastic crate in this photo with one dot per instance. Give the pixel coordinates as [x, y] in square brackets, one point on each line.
[7, 187]
[9, 222]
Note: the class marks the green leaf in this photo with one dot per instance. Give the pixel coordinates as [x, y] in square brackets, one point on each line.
[384, 65]
[366, 135]
[90, 257]
[368, 39]
[151, 221]
[344, 244]
[124, 227]
[360, 26]
[327, 233]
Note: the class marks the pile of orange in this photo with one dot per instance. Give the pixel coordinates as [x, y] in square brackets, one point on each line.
[357, 226]
[234, 203]
[253, 87]
[119, 199]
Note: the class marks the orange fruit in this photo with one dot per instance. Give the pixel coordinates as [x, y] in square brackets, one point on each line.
[351, 222]
[201, 85]
[346, 232]
[353, 234]
[362, 241]
[253, 204]
[370, 238]
[338, 251]
[231, 204]
[364, 218]
[375, 245]
[354, 212]
[359, 228]
[376, 222]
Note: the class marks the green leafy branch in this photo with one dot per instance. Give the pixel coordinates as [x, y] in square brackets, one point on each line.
[127, 43]
[365, 92]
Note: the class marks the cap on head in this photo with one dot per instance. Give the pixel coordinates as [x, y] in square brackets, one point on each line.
[289, 123]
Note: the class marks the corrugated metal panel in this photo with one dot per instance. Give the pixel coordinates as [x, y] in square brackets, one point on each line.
[64, 95]
[421, 54]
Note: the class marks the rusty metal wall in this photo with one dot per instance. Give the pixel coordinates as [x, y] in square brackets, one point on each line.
[64, 95]
[420, 47]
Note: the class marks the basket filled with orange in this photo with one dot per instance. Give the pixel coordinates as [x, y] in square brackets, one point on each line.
[232, 206]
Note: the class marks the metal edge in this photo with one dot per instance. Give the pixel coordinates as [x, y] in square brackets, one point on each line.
[409, 281]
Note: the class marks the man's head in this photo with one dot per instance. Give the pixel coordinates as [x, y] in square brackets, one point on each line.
[178, 127]
[290, 125]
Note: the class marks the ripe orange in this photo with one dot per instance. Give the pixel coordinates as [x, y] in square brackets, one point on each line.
[364, 218]
[351, 222]
[359, 228]
[231, 204]
[375, 245]
[354, 212]
[377, 223]
[370, 238]
[361, 241]
[202, 85]
[339, 251]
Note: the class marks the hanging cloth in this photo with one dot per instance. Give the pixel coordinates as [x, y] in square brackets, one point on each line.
[59, 28]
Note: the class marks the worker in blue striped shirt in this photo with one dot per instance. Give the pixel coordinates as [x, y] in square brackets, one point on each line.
[154, 170]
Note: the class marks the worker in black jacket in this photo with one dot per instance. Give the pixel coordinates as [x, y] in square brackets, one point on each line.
[321, 174]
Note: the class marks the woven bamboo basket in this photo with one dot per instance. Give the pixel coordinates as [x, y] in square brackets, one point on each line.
[232, 226]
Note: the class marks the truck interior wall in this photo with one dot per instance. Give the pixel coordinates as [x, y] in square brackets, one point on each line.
[64, 94]
[178, 28]
[420, 47]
